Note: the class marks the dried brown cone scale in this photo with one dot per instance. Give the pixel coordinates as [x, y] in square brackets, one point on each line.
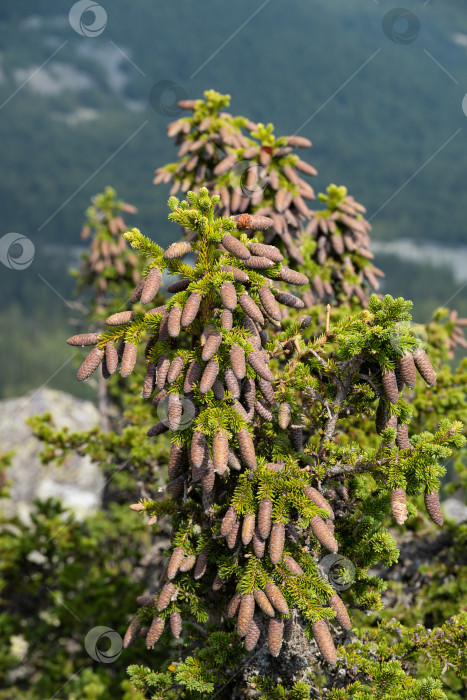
[155, 632]
[424, 366]
[247, 448]
[251, 308]
[408, 370]
[390, 385]
[165, 596]
[173, 323]
[190, 310]
[248, 528]
[220, 450]
[264, 517]
[235, 247]
[269, 303]
[253, 634]
[228, 521]
[276, 598]
[132, 632]
[433, 507]
[201, 565]
[245, 614]
[323, 535]
[83, 339]
[177, 250]
[233, 605]
[292, 566]
[324, 641]
[211, 346]
[255, 360]
[275, 635]
[176, 624]
[90, 364]
[174, 562]
[402, 436]
[399, 505]
[237, 361]
[266, 251]
[276, 542]
[209, 376]
[151, 285]
[318, 499]
[342, 616]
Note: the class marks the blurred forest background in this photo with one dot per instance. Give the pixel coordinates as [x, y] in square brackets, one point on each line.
[380, 114]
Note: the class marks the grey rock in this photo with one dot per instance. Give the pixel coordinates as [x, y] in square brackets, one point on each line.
[78, 483]
[454, 510]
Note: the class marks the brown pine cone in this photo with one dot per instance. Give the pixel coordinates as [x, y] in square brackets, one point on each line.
[235, 247]
[238, 275]
[296, 437]
[262, 410]
[264, 517]
[245, 614]
[175, 368]
[293, 277]
[176, 460]
[266, 251]
[292, 566]
[165, 596]
[174, 412]
[187, 563]
[399, 506]
[227, 320]
[275, 633]
[256, 262]
[220, 450]
[228, 295]
[132, 632]
[208, 478]
[324, 641]
[209, 376]
[177, 250]
[249, 393]
[258, 544]
[90, 364]
[248, 528]
[120, 318]
[173, 323]
[164, 327]
[252, 222]
[424, 366]
[323, 535]
[157, 429]
[315, 497]
[192, 376]
[155, 631]
[174, 562]
[433, 507]
[342, 615]
[232, 383]
[269, 303]
[407, 369]
[252, 329]
[198, 448]
[232, 537]
[402, 437]
[151, 285]
[390, 385]
[284, 415]
[175, 624]
[253, 634]
[129, 359]
[211, 346]
[251, 308]
[201, 565]
[237, 360]
[162, 369]
[291, 300]
[267, 390]
[247, 448]
[83, 339]
[136, 294]
[263, 602]
[276, 598]
[381, 416]
[178, 286]
[276, 542]
[233, 605]
[228, 521]
[255, 360]
[217, 583]
[218, 390]
[190, 310]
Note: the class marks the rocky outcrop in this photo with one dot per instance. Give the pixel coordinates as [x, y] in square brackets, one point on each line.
[78, 483]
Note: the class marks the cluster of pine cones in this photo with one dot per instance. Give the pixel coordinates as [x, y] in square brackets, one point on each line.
[393, 382]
